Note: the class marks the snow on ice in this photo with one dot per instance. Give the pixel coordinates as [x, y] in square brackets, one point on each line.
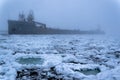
[63, 57]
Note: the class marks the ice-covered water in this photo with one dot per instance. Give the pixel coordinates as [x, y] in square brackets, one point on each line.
[79, 57]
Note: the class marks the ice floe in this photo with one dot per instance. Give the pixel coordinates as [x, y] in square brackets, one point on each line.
[63, 57]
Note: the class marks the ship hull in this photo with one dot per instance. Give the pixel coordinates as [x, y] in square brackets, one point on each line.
[22, 27]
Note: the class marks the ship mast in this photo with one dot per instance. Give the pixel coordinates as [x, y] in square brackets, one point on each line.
[21, 16]
[30, 17]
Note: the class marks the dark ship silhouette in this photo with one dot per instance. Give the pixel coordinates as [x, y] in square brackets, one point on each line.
[29, 26]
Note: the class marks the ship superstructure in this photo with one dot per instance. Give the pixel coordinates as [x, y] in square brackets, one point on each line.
[29, 26]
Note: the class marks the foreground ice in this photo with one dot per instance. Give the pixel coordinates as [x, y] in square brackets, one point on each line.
[67, 57]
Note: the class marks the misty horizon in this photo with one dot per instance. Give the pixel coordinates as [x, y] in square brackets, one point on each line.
[69, 14]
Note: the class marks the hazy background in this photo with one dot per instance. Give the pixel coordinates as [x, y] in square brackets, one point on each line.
[72, 14]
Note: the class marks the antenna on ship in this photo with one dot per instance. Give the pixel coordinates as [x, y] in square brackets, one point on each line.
[98, 27]
[30, 17]
[21, 16]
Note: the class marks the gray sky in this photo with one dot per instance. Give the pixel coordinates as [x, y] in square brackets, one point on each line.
[73, 14]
